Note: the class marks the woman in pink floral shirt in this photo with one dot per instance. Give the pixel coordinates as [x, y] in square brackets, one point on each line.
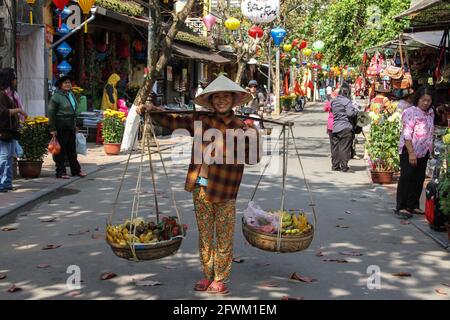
[416, 145]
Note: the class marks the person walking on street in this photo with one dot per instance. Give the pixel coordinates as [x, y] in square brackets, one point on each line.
[215, 185]
[344, 114]
[62, 117]
[416, 146]
[9, 130]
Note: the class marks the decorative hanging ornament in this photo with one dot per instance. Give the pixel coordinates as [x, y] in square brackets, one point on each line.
[295, 42]
[307, 52]
[63, 30]
[64, 49]
[278, 35]
[232, 24]
[287, 48]
[256, 32]
[31, 3]
[209, 21]
[318, 46]
[303, 45]
[293, 60]
[318, 56]
[65, 13]
[86, 6]
[64, 68]
[60, 4]
[260, 11]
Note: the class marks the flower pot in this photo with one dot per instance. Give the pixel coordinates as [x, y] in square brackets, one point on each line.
[112, 149]
[30, 169]
[382, 177]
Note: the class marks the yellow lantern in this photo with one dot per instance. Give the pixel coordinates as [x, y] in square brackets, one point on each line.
[30, 3]
[307, 52]
[287, 47]
[232, 24]
[86, 6]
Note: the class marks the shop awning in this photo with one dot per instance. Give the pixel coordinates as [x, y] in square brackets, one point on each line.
[417, 7]
[141, 22]
[193, 53]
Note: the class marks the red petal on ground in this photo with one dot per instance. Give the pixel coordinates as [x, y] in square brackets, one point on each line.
[43, 266]
[107, 275]
[295, 276]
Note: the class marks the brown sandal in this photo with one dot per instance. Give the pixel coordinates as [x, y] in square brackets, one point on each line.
[218, 287]
[202, 285]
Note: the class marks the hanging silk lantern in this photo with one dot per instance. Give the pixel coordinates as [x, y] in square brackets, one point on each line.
[318, 56]
[278, 35]
[63, 30]
[86, 6]
[293, 60]
[256, 32]
[260, 11]
[64, 67]
[307, 52]
[318, 46]
[64, 49]
[287, 48]
[283, 56]
[138, 45]
[295, 42]
[303, 45]
[65, 13]
[232, 24]
[60, 4]
[209, 21]
[30, 3]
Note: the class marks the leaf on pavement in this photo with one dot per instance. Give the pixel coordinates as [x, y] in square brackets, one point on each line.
[342, 226]
[440, 291]
[295, 276]
[43, 266]
[351, 253]
[107, 275]
[238, 260]
[291, 298]
[147, 283]
[169, 267]
[336, 260]
[402, 274]
[348, 212]
[14, 288]
[8, 229]
[269, 285]
[51, 246]
[2, 276]
[319, 254]
[79, 233]
[48, 219]
[446, 284]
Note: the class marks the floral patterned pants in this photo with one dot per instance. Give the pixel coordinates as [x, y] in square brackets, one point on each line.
[216, 227]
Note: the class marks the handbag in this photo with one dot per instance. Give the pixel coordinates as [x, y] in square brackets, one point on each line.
[406, 81]
[442, 45]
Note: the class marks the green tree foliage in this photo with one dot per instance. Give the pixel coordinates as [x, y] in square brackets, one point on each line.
[346, 26]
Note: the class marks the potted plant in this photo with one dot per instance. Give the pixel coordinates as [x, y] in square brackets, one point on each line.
[34, 139]
[112, 130]
[444, 184]
[382, 146]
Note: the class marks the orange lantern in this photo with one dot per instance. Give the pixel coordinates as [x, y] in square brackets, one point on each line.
[30, 3]
[86, 6]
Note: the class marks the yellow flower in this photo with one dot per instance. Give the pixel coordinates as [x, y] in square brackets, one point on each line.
[30, 123]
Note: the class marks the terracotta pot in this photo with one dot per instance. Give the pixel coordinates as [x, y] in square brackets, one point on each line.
[382, 177]
[112, 149]
[30, 169]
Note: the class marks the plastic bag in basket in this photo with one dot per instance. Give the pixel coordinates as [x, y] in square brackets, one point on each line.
[54, 147]
[257, 218]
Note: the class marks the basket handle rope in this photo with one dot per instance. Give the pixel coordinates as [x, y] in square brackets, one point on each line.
[311, 199]
[283, 190]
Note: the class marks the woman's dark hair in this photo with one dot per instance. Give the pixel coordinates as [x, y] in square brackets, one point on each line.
[7, 76]
[345, 90]
[425, 90]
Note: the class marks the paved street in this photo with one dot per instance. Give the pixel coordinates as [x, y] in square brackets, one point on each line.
[349, 200]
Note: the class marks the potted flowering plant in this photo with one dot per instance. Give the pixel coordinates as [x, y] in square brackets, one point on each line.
[112, 130]
[34, 139]
[382, 146]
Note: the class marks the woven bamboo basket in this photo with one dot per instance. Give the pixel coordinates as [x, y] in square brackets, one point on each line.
[268, 242]
[147, 251]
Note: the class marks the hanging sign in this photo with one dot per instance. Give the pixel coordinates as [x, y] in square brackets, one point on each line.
[261, 11]
[74, 20]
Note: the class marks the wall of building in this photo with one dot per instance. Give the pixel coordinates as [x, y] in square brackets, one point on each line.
[7, 34]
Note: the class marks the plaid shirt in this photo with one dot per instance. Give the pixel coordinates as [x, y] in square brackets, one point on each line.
[223, 179]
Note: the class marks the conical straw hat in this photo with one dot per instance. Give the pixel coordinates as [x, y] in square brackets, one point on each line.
[223, 84]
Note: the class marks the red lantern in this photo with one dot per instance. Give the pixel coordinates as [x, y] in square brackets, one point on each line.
[303, 45]
[295, 42]
[256, 32]
[283, 56]
[60, 4]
